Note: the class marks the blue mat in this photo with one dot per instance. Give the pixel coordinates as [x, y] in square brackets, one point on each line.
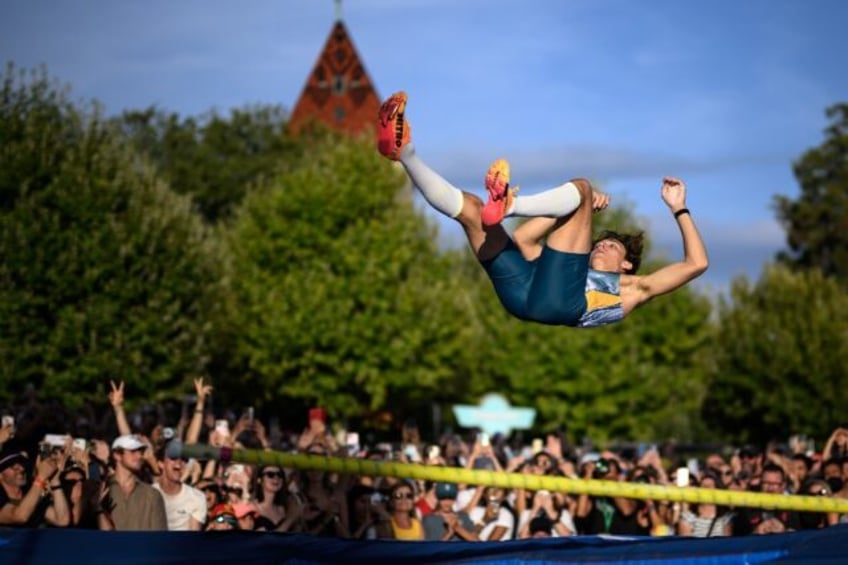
[90, 547]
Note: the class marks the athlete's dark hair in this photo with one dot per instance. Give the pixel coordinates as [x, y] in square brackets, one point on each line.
[633, 244]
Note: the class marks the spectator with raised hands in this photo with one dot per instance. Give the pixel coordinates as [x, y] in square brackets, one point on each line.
[606, 515]
[7, 431]
[202, 392]
[836, 445]
[44, 501]
[493, 519]
[316, 432]
[116, 399]
[325, 509]
[150, 467]
[445, 523]
[553, 511]
[705, 520]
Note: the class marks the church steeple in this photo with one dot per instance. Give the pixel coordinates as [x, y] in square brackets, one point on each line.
[338, 91]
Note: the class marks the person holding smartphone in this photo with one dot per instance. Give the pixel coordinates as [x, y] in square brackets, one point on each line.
[606, 515]
[31, 504]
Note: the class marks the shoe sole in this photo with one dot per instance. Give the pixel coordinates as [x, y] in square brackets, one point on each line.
[393, 109]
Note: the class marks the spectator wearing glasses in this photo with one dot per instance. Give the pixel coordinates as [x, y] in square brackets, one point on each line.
[278, 512]
[401, 507]
[762, 520]
[185, 506]
[814, 520]
[136, 504]
[222, 517]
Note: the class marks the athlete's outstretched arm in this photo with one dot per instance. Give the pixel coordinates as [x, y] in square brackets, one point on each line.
[695, 260]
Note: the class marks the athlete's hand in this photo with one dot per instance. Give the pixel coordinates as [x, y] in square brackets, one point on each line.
[600, 201]
[673, 193]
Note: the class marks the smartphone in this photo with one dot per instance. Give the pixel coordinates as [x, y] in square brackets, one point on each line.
[683, 476]
[352, 442]
[434, 452]
[222, 427]
[80, 444]
[8, 421]
[44, 450]
[537, 446]
[55, 440]
[484, 439]
[250, 414]
[411, 453]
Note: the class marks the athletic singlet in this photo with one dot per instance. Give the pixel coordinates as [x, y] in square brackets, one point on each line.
[603, 300]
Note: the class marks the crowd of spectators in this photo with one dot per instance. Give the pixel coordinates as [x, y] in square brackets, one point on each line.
[138, 479]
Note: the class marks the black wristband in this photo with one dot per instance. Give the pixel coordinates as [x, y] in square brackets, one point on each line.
[681, 212]
[58, 487]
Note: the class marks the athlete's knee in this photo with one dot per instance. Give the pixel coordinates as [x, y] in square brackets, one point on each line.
[584, 187]
[472, 206]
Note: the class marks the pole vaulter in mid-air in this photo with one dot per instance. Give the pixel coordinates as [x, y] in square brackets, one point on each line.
[550, 271]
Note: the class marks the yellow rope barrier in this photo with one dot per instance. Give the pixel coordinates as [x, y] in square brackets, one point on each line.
[369, 467]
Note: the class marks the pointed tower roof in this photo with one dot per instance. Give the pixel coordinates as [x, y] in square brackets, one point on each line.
[339, 91]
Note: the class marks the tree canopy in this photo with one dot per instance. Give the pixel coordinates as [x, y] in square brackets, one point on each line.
[816, 222]
[104, 272]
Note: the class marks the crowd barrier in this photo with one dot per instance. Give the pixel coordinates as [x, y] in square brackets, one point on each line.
[52, 546]
[369, 467]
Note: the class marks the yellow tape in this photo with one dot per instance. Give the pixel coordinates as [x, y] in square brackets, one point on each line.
[369, 467]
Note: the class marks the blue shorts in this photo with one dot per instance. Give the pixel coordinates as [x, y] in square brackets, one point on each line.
[549, 290]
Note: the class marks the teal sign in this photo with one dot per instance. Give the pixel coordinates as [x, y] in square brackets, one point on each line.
[493, 415]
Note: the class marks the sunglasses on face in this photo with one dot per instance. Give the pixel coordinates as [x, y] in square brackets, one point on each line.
[234, 490]
[273, 474]
[401, 495]
[226, 520]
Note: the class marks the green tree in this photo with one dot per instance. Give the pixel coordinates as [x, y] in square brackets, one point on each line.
[104, 272]
[779, 358]
[343, 296]
[214, 159]
[816, 222]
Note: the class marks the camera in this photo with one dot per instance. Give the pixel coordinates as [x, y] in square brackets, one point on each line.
[44, 450]
[602, 468]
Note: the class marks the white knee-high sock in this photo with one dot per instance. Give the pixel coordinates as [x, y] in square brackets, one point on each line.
[556, 202]
[438, 192]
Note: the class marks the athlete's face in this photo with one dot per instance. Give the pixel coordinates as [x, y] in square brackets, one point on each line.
[608, 255]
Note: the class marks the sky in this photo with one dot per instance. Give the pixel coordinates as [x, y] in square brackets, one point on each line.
[725, 94]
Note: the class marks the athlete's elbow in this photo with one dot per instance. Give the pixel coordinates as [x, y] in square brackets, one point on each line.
[700, 266]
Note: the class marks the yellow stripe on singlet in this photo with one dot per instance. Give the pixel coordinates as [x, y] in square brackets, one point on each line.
[596, 299]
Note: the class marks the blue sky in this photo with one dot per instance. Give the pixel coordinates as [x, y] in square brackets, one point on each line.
[725, 94]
